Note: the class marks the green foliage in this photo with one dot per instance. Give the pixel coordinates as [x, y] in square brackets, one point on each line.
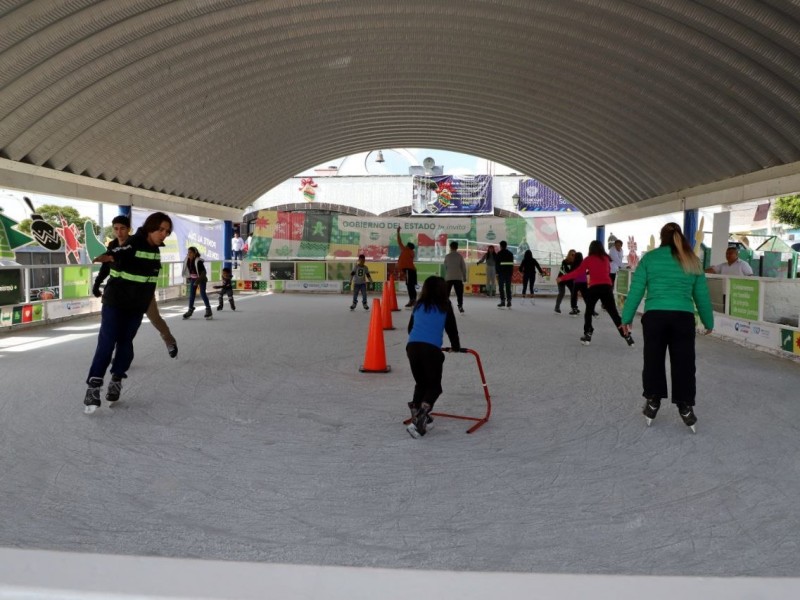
[787, 210]
[51, 212]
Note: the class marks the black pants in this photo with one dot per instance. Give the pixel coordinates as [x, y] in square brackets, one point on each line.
[459, 285]
[562, 288]
[504, 283]
[222, 294]
[603, 294]
[411, 284]
[426, 362]
[528, 280]
[671, 330]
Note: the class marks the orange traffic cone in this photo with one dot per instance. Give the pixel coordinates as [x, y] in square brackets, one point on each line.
[393, 295]
[386, 313]
[375, 356]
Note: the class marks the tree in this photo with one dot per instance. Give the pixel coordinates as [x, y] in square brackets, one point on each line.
[787, 210]
[51, 212]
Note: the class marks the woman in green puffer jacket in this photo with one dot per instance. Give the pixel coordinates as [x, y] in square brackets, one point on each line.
[673, 280]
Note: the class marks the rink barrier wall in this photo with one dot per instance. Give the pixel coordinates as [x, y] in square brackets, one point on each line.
[49, 575]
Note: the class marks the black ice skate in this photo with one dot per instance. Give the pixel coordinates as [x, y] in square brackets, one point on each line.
[419, 425]
[586, 338]
[629, 340]
[172, 350]
[92, 399]
[650, 410]
[209, 314]
[502, 304]
[366, 306]
[413, 409]
[687, 414]
[461, 309]
[233, 306]
[114, 389]
[221, 306]
[188, 313]
[353, 306]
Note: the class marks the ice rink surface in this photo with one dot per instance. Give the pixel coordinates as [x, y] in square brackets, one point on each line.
[263, 442]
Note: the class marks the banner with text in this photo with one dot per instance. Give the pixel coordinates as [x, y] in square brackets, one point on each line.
[456, 195]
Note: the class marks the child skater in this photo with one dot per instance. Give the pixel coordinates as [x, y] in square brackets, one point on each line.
[597, 266]
[358, 282]
[432, 316]
[226, 288]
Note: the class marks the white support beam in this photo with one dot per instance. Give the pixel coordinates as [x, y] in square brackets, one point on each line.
[41, 180]
[775, 181]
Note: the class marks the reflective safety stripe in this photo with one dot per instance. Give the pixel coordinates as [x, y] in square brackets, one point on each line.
[148, 255]
[136, 278]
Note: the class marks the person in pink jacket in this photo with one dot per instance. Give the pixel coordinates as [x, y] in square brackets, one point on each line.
[597, 267]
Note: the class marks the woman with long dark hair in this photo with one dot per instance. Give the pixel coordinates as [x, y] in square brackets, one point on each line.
[597, 267]
[673, 279]
[432, 316]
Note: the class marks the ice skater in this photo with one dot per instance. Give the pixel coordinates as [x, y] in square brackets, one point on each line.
[122, 230]
[226, 289]
[566, 267]
[455, 274]
[130, 289]
[358, 282]
[597, 267]
[673, 280]
[491, 274]
[528, 267]
[432, 316]
[194, 272]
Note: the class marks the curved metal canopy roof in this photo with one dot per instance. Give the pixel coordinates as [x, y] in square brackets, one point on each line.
[608, 102]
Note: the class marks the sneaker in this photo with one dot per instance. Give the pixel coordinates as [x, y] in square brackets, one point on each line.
[209, 314]
[188, 313]
[650, 409]
[114, 389]
[629, 339]
[586, 339]
[353, 306]
[687, 414]
[91, 401]
[172, 350]
[461, 309]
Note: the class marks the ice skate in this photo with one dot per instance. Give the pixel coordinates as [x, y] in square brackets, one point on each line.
[233, 306]
[586, 338]
[574, 312]
[461, 309]
[172, 350]
[558, 310]
[687, 414]
[502, 304]
[220, 307]
[366, 306]
[92, 399]
[409, 304]
[209, 315]
[353, 306]
[650, 410]
[419, 425]
[114, 389]
[188, 313]
[629, 340]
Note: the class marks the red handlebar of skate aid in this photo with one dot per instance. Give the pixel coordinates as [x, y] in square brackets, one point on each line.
[449, 349]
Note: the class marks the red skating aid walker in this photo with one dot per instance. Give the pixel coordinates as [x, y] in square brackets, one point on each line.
[479, 421]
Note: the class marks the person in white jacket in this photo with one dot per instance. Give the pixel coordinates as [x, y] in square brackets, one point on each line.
[455, 274]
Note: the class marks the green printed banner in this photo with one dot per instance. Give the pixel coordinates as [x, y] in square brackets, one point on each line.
[310, 271]
[744, 298]
[77, 281]
[425, 270]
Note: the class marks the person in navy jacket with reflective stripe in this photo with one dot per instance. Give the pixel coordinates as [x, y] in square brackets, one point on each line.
[134, 273]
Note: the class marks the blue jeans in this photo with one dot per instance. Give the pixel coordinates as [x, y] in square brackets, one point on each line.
[362, 288]
[193, 285]
[117, 330]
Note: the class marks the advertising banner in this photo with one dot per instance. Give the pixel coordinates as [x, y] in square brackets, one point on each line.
[456, 195]
[311, 271]
[76, 282]
[744, 298]
[534, 196]
[313, 286]
[10, 286]
[58, 309]
[206, 237]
